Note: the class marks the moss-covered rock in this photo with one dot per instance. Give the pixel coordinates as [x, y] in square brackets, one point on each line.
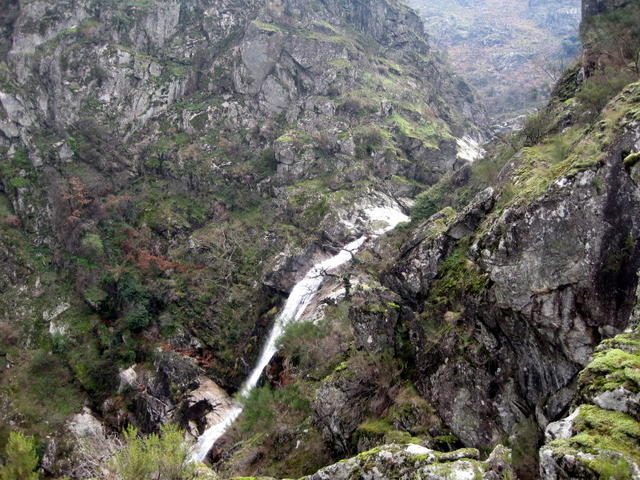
[600, 439]
[404, 462]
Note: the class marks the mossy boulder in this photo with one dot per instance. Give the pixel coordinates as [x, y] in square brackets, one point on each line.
[602, 444]
[601, 438]
[409, 461]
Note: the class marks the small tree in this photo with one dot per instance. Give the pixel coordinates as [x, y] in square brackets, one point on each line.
[535, 126]
[21, 458]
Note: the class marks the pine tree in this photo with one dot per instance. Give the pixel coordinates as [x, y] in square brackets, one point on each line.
[21, 458]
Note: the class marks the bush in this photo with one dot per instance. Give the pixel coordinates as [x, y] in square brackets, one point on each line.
[600, 88]
[96, 372]
[21, 459]
[423, 208]
[535, 127]
[368, 139]
[267, 164]
[298, 342]
[614, 38]
[137, 319]
[92, 245]
[156, 457]
[43, 391]
[381, 374]
[264, 405]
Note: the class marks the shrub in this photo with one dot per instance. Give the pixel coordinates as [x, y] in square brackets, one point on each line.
[600, 88]
[351, 105]
[96, 373]
[382, 374]
[43, 389]
[267, 164]
[423, 208]
[458, 277]
[298, 342]
[137, 319]
[159, 457]
[92, 244]
[368, 139]
[535, 127]
[264, 405]
[613, 38]
[325, 144]
[21, 459]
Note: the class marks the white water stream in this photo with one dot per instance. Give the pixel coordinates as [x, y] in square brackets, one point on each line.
[299, 299]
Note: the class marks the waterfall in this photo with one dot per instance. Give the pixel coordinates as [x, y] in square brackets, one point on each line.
[299, 299]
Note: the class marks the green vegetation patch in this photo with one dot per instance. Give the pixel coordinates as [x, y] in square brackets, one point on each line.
[296, 137]
[268, 27]
[21, 459]
[612, 369]
[340, 63]
[458, 275]
[428, 132]
[631, 159]
[613, 437]
[17, 172]
[43, 391]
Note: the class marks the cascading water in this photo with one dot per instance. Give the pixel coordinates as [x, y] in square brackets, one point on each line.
[299, 299]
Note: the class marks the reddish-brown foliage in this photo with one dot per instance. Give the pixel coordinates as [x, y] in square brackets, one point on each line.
[147, 261]
[78, 199]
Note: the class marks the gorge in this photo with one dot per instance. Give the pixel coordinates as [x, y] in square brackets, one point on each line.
[302, 294]
[283, 239]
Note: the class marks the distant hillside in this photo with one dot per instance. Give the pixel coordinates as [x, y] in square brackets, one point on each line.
[511, 55]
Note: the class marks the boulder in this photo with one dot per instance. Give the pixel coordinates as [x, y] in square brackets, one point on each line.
[405, 462]
[79, 448]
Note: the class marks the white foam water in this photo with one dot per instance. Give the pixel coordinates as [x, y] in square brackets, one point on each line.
[299, 299]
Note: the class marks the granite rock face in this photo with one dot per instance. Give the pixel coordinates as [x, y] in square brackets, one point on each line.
[159, 155]
[600, 434]
[554, 277]
[78, 448]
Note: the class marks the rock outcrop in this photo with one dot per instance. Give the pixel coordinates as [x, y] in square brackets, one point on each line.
[79, 448]
[591, 8]
[413, 461]
[161, 159]
[600, 436]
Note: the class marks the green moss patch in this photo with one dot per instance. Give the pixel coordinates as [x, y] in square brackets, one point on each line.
[458, 275]
[613, 436]
[428, 132]
[612, 369]
[630, 160]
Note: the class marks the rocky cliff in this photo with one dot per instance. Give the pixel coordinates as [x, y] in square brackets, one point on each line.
[592, 8]
[497, 304]
[170, 169]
